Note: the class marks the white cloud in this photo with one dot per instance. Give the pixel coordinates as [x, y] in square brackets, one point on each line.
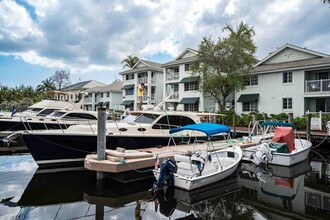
[87, 36]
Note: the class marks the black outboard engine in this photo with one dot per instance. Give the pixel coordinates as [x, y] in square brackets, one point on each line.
[167, 168]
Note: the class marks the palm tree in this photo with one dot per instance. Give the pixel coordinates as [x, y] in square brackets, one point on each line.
[47, 84]
[130, 61]
[241, 30]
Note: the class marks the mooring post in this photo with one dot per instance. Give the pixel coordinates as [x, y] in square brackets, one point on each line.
[234, 124]
[101, 138]
[290, 117]
[254, 122]
[308, 125]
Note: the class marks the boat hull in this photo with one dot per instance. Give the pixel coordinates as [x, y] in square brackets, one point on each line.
[284, 159]
[61, 148]
[192, 183]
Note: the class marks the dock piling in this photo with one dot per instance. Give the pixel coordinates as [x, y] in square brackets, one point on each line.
[101, 138]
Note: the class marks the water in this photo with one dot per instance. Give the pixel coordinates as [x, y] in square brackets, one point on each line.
[298, 192]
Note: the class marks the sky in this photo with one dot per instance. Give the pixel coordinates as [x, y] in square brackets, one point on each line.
[90, 38]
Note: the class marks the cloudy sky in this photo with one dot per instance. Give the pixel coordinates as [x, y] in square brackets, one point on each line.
[91, 37]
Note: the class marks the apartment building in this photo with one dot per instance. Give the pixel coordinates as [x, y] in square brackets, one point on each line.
[291, 79]
[149, 73]
[108, 96]
[73, 93]
[181, 86]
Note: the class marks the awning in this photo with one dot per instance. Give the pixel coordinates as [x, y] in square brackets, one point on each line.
[190, 79]
[106, 104]
[100, 104]
[128, 87]
[127, 102]
[189, 100]
[248, 98]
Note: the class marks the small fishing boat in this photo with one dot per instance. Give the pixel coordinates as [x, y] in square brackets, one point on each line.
[203, 167]
[283, 149]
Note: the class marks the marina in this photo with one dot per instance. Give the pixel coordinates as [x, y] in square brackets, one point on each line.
[28, 192]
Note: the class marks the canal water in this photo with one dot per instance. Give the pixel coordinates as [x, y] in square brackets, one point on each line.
[273, 192]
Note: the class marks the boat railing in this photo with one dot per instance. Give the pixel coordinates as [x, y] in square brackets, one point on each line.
[254, 128]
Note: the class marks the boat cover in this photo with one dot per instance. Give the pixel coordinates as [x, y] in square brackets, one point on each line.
[277, 123]
[208, 128]
[284, 135]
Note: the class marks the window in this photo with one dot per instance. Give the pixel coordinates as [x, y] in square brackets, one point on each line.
[186, 67]
[191, 107]
[287, 77]
[101, 95]
[191, 86]
[250, 106]
[172, 121]
[129, 76]
[129, 91]
[287, 103]
[108, 94]
[251, 80]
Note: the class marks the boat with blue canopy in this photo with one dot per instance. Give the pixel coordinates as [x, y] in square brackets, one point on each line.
[204, 166]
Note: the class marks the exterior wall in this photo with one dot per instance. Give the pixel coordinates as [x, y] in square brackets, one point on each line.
[289, 54]
[271, 91]
[116, 100]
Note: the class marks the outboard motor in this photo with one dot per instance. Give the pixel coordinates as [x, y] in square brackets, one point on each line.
[262, 155]
[167, 168]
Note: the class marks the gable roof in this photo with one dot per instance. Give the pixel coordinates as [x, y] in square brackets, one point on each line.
[115, 86]
[315, 54]
[147, 65]
[180, 59]
[76, 86]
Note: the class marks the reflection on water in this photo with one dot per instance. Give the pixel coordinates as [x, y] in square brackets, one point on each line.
[255, 192]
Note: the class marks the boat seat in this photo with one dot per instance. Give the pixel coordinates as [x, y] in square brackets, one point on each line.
[185, 167]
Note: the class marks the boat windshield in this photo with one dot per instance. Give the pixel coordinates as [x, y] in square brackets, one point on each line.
[57, 114]
[146, 118]
[32, 110]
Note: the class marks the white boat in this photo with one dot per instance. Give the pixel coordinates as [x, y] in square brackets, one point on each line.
[284, 149]
[202, 167]
[149, 129]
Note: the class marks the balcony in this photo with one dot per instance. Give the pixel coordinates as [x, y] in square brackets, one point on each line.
[172, 76]
[143, 80]
[317, 86]
[174, 96]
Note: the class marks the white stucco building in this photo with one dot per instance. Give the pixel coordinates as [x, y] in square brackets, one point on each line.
[289, 80]
[149, 73]
[182, 87]
[107, 96]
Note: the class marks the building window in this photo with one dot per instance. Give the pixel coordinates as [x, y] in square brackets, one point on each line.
[129, 91]
[191, 86]
[191, 107]
[101, 95]
[287, 103]
[251, 80]
[108, 94]
[287, 77]
[187, 67]
[250, 106]
[129, 76]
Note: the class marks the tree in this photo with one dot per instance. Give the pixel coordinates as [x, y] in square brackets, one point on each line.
[61, 78]
[47, 85]
[130, 61]
[222, 64]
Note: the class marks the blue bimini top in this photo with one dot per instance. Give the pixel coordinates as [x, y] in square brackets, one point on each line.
[277, 123]
[208, 128]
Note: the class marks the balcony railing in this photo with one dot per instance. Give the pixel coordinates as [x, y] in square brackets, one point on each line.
[175, 95]
[322, 85]
[172, 76]
[143, 80]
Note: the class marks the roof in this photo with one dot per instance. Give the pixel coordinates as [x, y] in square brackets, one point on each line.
[208, 128]
[299, 64]
[180, 59]
[115, 86]
[148, 66]
[79, 85]
[292, 47]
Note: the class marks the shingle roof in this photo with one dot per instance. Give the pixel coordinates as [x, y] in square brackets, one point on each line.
[180, 61]
[299, 64]
[150, 66]
[76, 86]
[113, 87]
